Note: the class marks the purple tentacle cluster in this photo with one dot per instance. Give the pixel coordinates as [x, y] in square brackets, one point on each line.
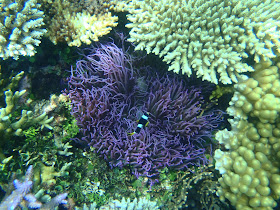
[107, 96]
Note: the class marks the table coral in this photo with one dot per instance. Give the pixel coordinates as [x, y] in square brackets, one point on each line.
[107, 98]
[250, 167]
[211, 38]
[20, 28]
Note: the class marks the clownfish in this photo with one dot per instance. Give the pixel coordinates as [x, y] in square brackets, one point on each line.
[143, 122]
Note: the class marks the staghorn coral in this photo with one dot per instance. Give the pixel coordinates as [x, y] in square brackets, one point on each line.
[250, 167]
[21, 193]
[21, 24]
[9, 84]
[77, 22]
[107, 97]
[8, 122]
[11, 123]
[211, 38]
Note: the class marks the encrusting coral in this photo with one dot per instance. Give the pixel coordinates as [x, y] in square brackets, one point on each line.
[78, 22]
[211, 38]
[250, 168]
[21, 29]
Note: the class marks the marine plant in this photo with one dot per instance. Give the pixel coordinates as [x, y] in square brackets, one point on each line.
[108, 96]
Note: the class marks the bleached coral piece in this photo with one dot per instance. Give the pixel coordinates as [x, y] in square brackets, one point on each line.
[141, 203]
[21, 28]
[21, 198]
[208, 37]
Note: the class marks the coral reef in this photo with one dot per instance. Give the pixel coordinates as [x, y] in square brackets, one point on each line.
[77, 22]
[107, 95]
[21, 28]
[211, 38]
[21, 192]
[49, 151]
[250, 167]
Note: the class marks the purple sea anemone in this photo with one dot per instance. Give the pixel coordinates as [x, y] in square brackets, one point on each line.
[108, 97]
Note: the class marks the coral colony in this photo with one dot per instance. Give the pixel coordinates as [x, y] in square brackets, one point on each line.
[109, 96]
[22, 192]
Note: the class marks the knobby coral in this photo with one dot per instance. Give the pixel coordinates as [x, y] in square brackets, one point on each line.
[250, 166]
[210, 37]
[107, 95]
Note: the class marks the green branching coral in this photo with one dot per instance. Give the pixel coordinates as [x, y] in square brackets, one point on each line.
[209, 37]
[250, 164]
[9, 124]
[18, 120]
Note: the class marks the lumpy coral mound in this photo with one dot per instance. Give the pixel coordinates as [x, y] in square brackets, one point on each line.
[109, 96]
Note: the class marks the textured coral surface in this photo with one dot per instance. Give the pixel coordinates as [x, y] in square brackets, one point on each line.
[20, 28]
[251, 177]
[210, 38]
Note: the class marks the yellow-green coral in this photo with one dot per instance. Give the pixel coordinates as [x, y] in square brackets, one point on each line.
[209, 37]
[9, 124]
[250, 167]
[20, 27]
[12, 122]
[78, 22]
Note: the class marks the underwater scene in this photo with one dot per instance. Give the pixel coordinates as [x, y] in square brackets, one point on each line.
[139, 104]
